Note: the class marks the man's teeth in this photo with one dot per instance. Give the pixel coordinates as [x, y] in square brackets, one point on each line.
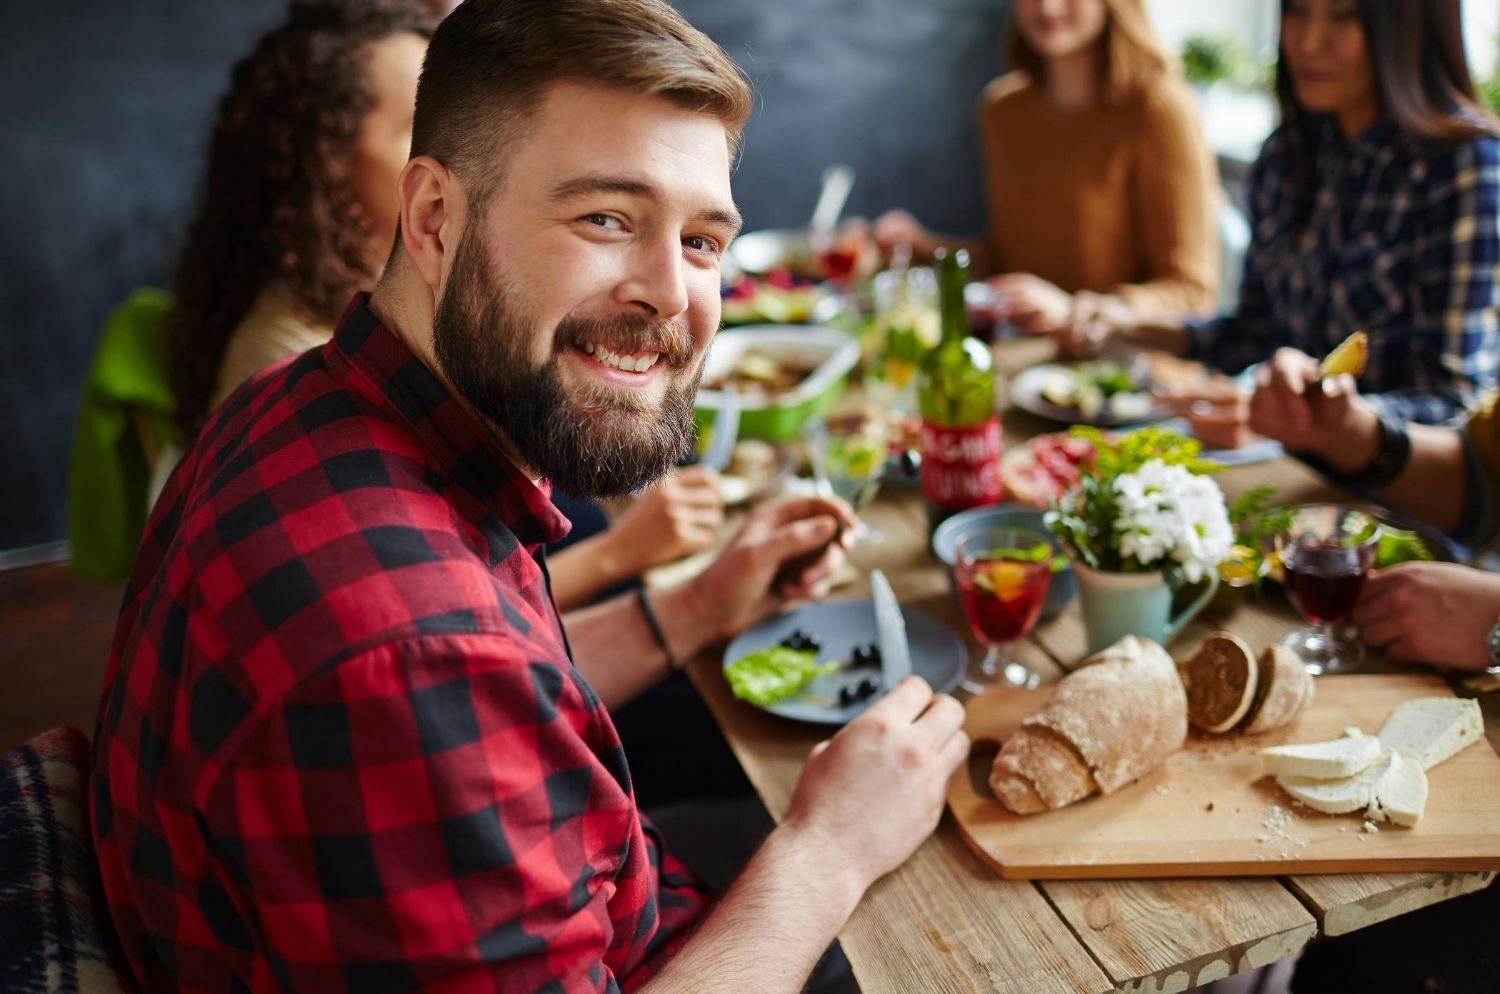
[629, 363]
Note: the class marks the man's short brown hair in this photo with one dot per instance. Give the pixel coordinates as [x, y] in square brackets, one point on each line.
[491, 61]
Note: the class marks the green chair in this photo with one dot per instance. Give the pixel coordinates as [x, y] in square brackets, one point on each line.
[124, 423]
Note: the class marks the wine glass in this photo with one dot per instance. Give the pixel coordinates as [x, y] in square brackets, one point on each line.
[848, 452]
[1326, 552]
[1002, 574]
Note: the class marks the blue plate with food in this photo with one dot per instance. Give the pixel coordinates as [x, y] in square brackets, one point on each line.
[820, 663]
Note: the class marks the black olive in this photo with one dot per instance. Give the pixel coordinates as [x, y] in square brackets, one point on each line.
[847, 695]
[802, 642]
[865, 655]
[868, 686]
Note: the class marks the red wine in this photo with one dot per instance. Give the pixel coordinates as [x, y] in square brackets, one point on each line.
[1324, 581]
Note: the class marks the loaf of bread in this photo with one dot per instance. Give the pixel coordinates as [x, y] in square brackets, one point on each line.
[1107, 724]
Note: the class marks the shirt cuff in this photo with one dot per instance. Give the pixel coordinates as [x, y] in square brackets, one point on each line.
[1202, 333]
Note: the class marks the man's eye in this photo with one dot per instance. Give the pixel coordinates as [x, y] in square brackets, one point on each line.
[700, 243]
[604, 221]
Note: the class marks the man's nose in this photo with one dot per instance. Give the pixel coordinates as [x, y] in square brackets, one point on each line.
[655, 281]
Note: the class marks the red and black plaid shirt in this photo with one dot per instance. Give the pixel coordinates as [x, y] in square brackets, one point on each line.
[341, 746]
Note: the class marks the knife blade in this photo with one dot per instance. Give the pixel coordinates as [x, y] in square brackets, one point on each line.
[890, 627]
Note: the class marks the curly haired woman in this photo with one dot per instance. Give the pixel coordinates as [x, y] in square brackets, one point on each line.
[298, 204]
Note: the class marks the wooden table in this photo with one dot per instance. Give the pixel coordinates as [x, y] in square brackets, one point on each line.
[945, 922]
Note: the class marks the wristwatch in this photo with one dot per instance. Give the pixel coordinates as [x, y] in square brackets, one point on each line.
[1393, 449]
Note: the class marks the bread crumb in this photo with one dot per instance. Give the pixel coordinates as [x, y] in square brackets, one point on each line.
[1370, 827]
[1274, 821]
[1161, 790]
[1210, 806]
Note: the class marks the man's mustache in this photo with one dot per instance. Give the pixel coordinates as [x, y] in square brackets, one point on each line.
[630, 333]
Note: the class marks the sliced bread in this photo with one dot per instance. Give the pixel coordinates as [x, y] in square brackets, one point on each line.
[1220, 679]
[1331, 760]
[1283, 689]
[1336, 797]
[1401, 794]
[1430, 729]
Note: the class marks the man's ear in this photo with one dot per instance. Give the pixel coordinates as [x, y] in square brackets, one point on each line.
[431, 213]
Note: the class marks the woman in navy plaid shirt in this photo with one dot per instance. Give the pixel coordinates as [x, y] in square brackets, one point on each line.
[1373, 207]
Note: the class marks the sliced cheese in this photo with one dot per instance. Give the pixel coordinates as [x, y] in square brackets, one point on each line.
[1402, 792]
[1430, 729]
[1337, 797]
[1332, 760]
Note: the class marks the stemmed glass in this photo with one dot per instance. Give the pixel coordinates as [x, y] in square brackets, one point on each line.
[1002, 574]
[1326, 552]
[848, 453]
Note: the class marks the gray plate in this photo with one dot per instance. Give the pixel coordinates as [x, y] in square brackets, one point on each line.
[1026, 393]
[937, 654]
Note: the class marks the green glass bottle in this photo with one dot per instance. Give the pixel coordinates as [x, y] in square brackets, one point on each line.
[956, 397]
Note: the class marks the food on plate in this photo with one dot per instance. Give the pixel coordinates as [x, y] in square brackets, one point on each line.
[1038, 472]
[1108, 723]
[756, 375]
[1396, 545]
[768, 675]
[1430, 729]
[777, 298]
[1349, 357]
[1283, 688]
[1221, 679]
[1095, 389]
[1384, 775]
[752, 465]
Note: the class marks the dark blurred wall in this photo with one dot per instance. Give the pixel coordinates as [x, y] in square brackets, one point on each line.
[104, 106]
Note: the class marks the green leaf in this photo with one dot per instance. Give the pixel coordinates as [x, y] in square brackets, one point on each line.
[1399, 546]
[768, 675]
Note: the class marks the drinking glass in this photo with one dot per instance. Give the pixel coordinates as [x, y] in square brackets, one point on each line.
[1326, 552]
[1002, 574]
[848, 453]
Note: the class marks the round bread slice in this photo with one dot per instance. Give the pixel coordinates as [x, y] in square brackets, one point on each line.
[1285, 688]
[1221, 679]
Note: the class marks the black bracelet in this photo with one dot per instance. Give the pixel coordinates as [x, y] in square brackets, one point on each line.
[655, 626]
[1392, 452]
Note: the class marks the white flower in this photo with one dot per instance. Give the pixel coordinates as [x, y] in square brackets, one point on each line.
[1168, 513]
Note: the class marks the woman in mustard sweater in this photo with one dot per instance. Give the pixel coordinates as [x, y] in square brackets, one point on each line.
[1097, 175]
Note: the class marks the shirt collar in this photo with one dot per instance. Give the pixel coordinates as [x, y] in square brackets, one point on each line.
[387, 370]
[1384, 134]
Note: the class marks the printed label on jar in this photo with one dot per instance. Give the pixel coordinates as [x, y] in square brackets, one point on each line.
[961, 466]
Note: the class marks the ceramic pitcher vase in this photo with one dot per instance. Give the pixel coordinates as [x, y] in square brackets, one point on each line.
[1120, 604]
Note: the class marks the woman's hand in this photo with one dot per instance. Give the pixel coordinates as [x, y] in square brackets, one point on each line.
[1218, 412]
[1435, 613]
[1031, 303]
[680, 515]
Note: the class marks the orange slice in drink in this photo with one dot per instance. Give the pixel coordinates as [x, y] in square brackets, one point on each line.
[1006, 580]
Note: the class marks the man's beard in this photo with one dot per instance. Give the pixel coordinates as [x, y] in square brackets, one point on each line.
[601, 443]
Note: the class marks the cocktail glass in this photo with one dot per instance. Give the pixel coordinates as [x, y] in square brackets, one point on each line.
[1002, 574]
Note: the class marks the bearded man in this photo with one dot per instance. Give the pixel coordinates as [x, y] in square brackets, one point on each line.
[345, 741]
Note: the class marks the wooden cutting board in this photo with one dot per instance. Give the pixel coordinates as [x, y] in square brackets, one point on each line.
[1210, 811]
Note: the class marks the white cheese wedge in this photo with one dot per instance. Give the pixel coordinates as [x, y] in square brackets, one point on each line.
[1402, 792]
[1331, 760]
[1430, 729]
[1337, 797]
